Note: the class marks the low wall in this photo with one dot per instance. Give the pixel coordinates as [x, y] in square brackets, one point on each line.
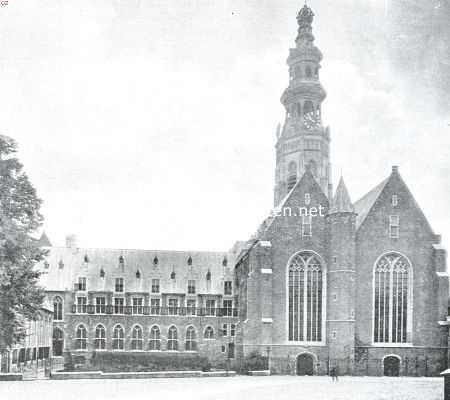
[76, 375]
[259, 373]
[10, 377]
[138, 375]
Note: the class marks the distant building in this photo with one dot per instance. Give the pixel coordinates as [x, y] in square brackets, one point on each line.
[324, 282]
[32, 355]
[139, 300]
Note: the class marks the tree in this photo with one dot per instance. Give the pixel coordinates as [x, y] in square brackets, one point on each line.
[20, 294]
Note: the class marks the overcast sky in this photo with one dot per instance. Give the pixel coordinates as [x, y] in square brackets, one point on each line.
[151, 124]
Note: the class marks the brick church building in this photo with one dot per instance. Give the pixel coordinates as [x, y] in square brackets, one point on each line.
[323, 283]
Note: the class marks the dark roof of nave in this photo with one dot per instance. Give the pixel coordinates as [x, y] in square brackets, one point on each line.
[64, 265]
[365, 204]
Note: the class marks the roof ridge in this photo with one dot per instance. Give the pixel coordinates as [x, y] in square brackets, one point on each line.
[141, 250]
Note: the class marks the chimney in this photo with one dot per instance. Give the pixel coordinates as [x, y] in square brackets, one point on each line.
[71, 241]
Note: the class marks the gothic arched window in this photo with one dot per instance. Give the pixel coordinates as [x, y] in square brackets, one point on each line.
[209, 333]
[305, 297]
[313, 167]
[308, 107]
[100, 338]
[81, 338]
[118, 338]
[155, 338]
[308, 72]
[172, 338]
[57, 309]
[391, 299]
[136, 338]
[191, 343]
[292, 175]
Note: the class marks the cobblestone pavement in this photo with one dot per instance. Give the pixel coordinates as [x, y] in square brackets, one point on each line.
[241, 387]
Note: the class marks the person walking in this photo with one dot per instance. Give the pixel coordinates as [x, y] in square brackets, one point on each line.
[334, 374]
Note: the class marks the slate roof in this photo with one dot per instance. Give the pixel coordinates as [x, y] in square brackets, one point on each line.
[341, 201]
[63, 267]
[364, 205]
[44, 241]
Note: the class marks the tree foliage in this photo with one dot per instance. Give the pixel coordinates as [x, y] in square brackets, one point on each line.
[20, 295]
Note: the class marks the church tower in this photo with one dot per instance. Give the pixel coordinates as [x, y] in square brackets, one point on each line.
[303, 142]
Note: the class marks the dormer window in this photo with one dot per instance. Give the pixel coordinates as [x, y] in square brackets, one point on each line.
[394, 200]
[46, 265]
[102, 273]
[208, 276]
[189, 261]
[172, 275]
[60, 264]
[307, 199]
[225, 261]
[138, 274]
[155, 261]
[86, 258]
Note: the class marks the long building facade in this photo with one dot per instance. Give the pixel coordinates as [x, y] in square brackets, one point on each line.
[324, 283]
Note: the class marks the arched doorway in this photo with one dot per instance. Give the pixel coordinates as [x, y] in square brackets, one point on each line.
[391, 366]
[58, 342]
[305, 364]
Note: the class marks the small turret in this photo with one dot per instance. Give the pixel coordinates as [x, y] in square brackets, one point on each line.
[341, 201]
[341, 278]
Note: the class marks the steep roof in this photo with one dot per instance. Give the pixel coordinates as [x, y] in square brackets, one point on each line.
[64, 265]
[44, 241]
[364, 205]
[276, 211]
[341, 200]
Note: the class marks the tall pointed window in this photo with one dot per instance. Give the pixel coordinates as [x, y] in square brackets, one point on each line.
[155, 339]
[191, 343]
[136, 338]
[172, 339]
[57, 309]
[81, 338]
[305, 298]
[100, 338]
[118, 338]
[391, 299]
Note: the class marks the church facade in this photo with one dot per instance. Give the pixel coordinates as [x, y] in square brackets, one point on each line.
[324, 283]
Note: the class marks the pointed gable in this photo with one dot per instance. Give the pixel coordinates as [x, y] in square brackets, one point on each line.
[394, 183]
[293, 200]
[341, 201]
[44, 241]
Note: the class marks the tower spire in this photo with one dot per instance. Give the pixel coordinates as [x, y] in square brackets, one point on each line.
[303, 141]
[305, 19]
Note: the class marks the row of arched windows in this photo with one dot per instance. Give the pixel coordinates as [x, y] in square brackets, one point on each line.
[292, 172]
[137, 338]
[307, 107]
[392, 278]
[298, 72]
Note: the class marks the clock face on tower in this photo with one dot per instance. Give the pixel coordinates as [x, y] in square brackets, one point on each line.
[311, 120]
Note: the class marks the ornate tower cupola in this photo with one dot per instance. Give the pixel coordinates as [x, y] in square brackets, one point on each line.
[303, 141]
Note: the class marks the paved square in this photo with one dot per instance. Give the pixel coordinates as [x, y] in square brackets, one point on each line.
[242, 387]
